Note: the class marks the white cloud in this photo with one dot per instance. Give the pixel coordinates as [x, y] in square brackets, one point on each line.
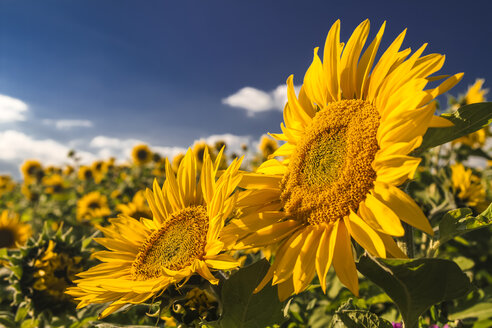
[121, 149]
[68, 124]
[254, 100]
[12, 109]
[15, 147]
[234, 143]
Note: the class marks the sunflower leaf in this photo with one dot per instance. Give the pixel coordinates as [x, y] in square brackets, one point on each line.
[348, 316]
[461, 221]
[466, 120]
[242, 308]
[415, 285]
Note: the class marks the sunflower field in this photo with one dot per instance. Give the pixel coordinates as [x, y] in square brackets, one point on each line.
[369, 207]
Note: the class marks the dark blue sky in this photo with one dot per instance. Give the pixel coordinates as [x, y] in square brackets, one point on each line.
[158, 70]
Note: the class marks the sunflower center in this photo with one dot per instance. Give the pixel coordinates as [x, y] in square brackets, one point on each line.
[174, 246]
[94, 205]
[7, 238]
[330, 172]
[32, 169]
[142, 154]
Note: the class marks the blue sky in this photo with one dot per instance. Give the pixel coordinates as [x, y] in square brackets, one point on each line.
[100, 76]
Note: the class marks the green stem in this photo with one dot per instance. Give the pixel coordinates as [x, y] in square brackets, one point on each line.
[408, 240]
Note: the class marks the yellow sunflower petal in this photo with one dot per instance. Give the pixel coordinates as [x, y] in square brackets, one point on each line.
[343, 261]
[374, 210]
[305, 266]
[403, 205]
[324, 254]
[364, 235]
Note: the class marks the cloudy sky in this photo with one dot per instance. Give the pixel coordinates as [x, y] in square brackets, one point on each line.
[101, 76]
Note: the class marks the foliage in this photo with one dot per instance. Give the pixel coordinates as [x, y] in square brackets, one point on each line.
[448, 282]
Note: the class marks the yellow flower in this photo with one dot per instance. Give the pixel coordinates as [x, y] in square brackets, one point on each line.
[347, 139]
[85, 173]
[6, 184]
[219, 144]
[99, 169]
[32, 171]
[159, 169]
[55, 272]
[92, 206]
[147, 256]
[468, 187]
[13, 233]
[267, 146]
[28, 193]
[141, 154]
[52, 170]
[177, 161]
[475, 94]
[54, 184]
[199, 149]
[138, 207]
[68, 170]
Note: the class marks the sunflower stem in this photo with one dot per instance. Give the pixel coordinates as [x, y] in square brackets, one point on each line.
[408, 240]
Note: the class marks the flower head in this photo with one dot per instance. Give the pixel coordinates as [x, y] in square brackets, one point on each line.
[145, 257]
[85, 173]
[475, 94]
[54, 184]
[92, 206]
[141, 154]
[32, 171]
[137, 208]
[348, 136]
[13, 233]
[468, 187]
[267, 146]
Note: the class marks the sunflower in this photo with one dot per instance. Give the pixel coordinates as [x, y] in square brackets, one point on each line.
[32, 171]
[6, 184]
[85, 173]
[52, 170]
[68, 170]
[141, 154]
[219, 144]
[267, 146]
[347, 139]
[177, 161]
[199, 149]
[99, 170]
[137, 208]
[54, 184]
[468, 187]
[55, 271]
[159, 169]
[475, 94]
[13, 233]
[92, 206]
[147, 256]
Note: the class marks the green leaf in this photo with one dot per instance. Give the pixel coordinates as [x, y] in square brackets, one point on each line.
[349, 316]
[415, 285]
[21, 312]
[466, 119]
[480, 311]
[17, 270]
[461, 221]
[483, 324]
[358, 319]
[242, 308]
